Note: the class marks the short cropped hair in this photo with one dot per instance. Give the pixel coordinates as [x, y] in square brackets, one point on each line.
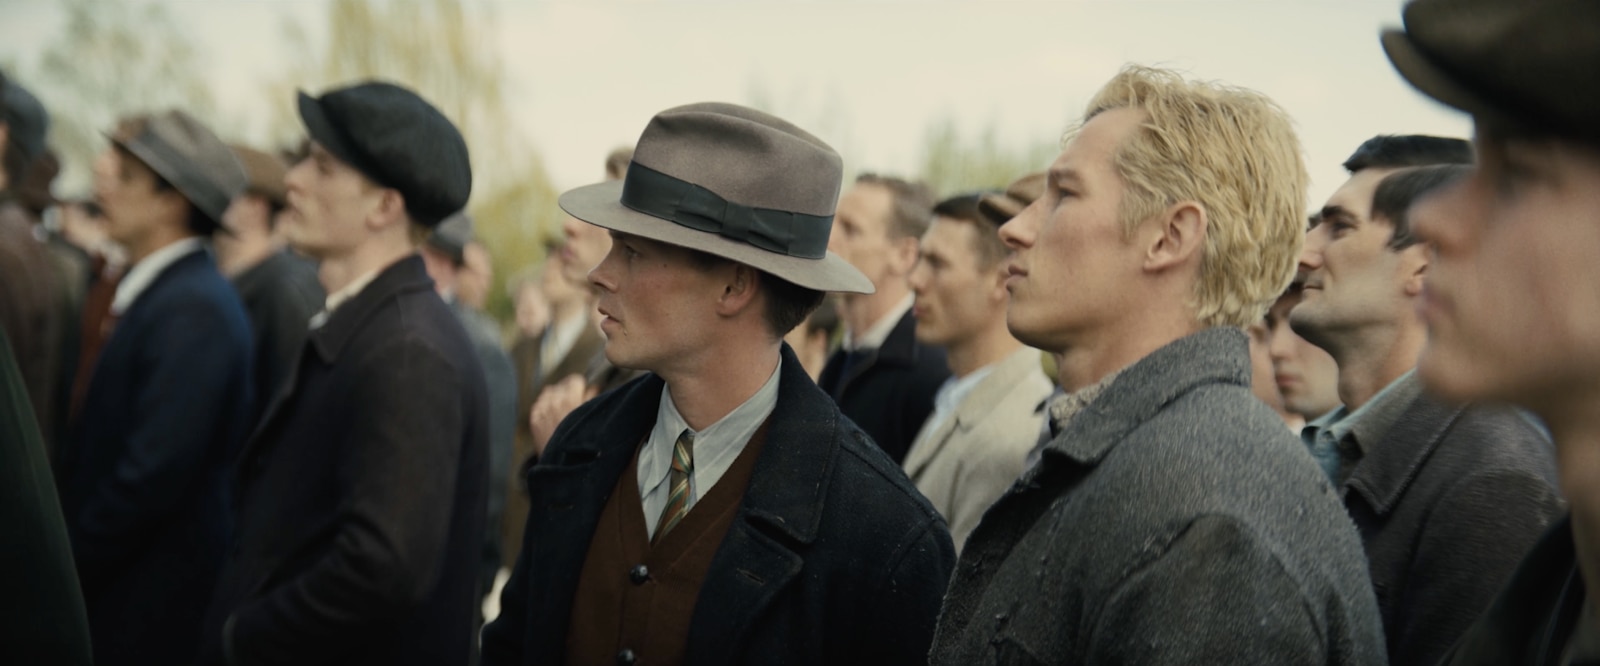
[1396, 193]
[910, 207]
[1233, 151]
[787, 304]
[1387, 151]
[963, 208]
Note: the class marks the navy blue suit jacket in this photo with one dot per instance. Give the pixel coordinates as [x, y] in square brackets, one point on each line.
[144, 479]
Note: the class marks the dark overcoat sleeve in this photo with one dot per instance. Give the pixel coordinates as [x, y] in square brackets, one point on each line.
[398, 477]
[184, 407]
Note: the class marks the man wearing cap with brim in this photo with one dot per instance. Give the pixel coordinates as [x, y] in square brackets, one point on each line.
[444, 255]
[279, 287]
[145, 469]
[720, 509]
[986, 416]
[1511, 296]
[361, 494]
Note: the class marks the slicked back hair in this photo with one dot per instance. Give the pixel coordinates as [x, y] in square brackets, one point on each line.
[1388, 151]
[1397, 192]
[1234, 152]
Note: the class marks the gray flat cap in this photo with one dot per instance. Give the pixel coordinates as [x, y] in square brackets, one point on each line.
[186, 153]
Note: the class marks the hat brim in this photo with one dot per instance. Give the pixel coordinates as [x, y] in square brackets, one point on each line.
[323, 131]
[170, 173]
[1430, 79]
[600, 204]
[999, 208]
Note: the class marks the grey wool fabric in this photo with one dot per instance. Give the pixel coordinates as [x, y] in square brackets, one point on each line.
[1174, 521]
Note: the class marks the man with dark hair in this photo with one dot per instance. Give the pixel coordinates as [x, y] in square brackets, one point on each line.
[444, 256]
[1447, 498]
[279, 288]
[882, 377]
[1390, 151]
[361, 494]
[720, 509]
[144, 473]
[985, 415]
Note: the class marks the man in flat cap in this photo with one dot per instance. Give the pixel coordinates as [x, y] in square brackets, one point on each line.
[361, 494]
[985, 416]
[144, 472]
[278, 286]
[444, 256]
[1172, 519]
[719, 509]
[1511, 301]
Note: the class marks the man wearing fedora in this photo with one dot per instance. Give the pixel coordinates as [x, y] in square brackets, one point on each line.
[361, 494]
[1172, 519]
[1511, 299]
[144, 473]
[279, 287]
[985, 416]
[719, 509]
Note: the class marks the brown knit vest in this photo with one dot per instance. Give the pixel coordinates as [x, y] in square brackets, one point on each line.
[636, 598]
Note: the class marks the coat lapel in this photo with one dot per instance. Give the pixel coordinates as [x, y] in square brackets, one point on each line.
[780, 516]
[1391, 463]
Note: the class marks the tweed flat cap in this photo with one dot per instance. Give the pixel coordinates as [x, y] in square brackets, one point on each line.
[27, 119]
[399, 140]
[1001, 207]
[264, 173]
[452, 236]
[1525, 65]
[185, 153]
[733, 182]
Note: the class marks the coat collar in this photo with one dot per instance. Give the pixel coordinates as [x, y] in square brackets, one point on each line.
[985, 398]
[1390, 464]
[403, 276]
[1218, 355]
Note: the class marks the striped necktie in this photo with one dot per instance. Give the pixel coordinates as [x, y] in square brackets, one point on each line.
[678, 500]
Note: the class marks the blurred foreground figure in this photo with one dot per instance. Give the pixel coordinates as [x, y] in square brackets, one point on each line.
[1172, 519]
[361, 494]
[145, 472]
[1511, 299]
[719, 509]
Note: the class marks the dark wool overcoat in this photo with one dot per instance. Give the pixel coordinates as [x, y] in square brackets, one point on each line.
[361, 495]
[144, 476]
[1174, 521]
[833, 558]
[889, 393]
[1447, 502]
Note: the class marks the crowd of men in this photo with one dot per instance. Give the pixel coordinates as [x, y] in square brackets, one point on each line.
[1138, 408]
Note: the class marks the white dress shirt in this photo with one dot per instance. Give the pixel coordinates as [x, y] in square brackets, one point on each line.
[144, 273]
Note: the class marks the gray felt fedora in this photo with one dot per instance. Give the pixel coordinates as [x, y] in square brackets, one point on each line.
[187, 154]
[733, 182]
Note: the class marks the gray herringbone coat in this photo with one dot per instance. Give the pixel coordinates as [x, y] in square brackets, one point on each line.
[1174, 521]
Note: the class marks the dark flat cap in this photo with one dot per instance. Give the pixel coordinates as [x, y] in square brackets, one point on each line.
[29, 123]
[397, 139]
[1525, 65]
[184, 152]
[452, 236]
[733, 182]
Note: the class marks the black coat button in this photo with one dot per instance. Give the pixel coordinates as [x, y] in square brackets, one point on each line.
[625, 657]
[639, 574]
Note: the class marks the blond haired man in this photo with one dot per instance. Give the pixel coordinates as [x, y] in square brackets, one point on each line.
[1172, 519]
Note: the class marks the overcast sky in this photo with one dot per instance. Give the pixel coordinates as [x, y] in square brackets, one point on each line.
[869, 77]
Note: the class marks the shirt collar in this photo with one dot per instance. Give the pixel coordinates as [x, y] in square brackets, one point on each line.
[144, 273]
[341, 297]
[1062, 407]
[1370, 420]
[716, 446]
[874, 336]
